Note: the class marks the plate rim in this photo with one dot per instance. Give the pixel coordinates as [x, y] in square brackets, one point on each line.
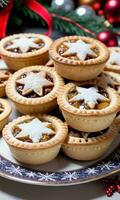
[68, 182]
[30, 182]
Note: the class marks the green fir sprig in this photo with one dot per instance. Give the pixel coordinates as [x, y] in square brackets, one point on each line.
[20, 14]
[3, 3]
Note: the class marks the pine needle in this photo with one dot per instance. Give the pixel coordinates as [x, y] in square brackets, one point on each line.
[3, 3]
[96, 25]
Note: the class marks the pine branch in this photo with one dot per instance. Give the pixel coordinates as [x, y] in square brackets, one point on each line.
[76, 23]
[96, 25]
[3, 3]
[73, 24]
[27, 13]
[69, 26]
[116, 30]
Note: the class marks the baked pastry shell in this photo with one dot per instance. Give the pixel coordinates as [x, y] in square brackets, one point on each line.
[93, 149]
[34, 105]
[2, 89]
[50, 63]
[110, 67]
[5, 114]
[75, 69]
[36, 153]
[88, 120]
[16, 61]
[117, 122]
[115, 76]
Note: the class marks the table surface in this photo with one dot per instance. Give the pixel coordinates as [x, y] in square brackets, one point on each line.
[10, 190]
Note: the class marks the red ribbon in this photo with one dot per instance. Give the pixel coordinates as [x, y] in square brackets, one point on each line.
[42, 11]
[31, 4]
[4, 16]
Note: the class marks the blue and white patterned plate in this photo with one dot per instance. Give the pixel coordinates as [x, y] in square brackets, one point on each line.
[66, 176]
[62, 170]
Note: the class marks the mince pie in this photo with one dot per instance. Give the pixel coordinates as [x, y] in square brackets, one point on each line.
[22, 50]
[110, 79]
[35, 140]
[117, 121]
[34, 89]
[113, 63]
[87, 145]
[88, 107]
[78, 58]
[5, 110]
[4, 75]
[50, 63]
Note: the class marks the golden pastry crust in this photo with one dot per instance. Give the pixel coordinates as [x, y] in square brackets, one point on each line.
[95, 147]
[50, 63]
[36, 153]
[5, 114]
[110, 67]
[34, 105]
[16, 61]
[3, 85]
[117, 121]
[76, 69]
[88, 120]
[109, 78]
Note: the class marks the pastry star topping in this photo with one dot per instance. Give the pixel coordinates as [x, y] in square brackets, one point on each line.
[80, 49]
[34, 130]
[89, 96]
[114, 58]
[106, 79]
[23, 43]
[85, 135]
[34, 82]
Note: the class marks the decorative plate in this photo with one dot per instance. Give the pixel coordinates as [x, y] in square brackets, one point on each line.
[62, 170]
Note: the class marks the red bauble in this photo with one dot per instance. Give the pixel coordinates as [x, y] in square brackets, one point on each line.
[108, 38]
[96, 6]
[112, 11]
[118, 187]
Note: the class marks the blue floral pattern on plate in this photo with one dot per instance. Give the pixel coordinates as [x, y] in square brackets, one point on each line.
[22, 174]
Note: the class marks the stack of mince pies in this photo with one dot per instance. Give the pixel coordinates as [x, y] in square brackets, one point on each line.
[74, 78]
